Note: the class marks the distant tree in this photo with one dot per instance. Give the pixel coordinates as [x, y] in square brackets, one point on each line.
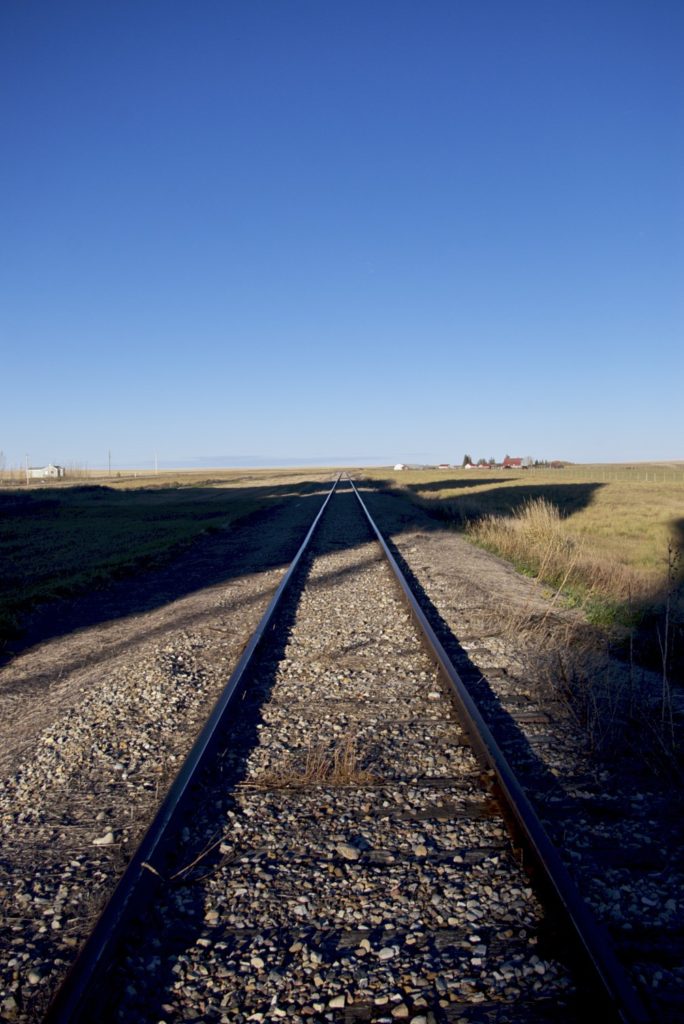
[467, 460]
[492, 461]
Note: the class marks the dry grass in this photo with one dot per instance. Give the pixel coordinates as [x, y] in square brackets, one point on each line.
[624, 514]
[244, 479]
[125, 479]
[622, 710]
[537, 541]
[608, 528]
[323, 764]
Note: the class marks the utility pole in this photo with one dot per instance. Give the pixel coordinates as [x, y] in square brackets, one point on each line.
[156, 468]
[110, 461]
[27, 473]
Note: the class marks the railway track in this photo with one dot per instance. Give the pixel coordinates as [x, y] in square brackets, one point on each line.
[338, 846]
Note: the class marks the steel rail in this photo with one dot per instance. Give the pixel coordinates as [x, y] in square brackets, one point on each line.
[141, 877]
[592, 938]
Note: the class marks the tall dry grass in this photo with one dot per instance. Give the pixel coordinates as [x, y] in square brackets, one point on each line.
[625, 514]
[622, 710]
[536, 540]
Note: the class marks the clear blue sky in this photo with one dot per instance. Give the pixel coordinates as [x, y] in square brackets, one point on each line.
[318, 229]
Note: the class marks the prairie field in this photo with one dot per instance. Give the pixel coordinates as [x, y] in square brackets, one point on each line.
[607, 538]
[610, 538]
[62, 539]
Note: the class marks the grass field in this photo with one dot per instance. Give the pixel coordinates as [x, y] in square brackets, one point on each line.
[623, 514]
[611, 537]
[61, 540]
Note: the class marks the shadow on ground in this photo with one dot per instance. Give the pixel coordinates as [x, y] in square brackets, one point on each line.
[498, 500]
[78, 557]
[659, 633]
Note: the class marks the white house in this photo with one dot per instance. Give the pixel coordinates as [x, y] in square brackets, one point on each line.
[49, 472]
[399, 466]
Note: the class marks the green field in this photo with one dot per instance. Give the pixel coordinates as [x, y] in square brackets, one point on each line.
[58, 541]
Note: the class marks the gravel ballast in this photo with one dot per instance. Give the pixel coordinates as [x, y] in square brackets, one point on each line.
[346, 862]
[93, 726]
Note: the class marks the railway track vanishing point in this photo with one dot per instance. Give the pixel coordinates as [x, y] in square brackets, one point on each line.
[334, 846]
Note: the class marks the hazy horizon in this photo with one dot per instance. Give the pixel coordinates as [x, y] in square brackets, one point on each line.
[321, 462]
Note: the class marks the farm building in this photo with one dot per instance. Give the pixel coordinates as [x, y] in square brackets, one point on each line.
[49, 472]
[509, 463]
[399, 466]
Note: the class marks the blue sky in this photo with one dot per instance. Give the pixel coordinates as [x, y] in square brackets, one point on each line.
[341, 230]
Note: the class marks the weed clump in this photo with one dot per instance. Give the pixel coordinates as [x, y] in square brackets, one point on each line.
[323, 764]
